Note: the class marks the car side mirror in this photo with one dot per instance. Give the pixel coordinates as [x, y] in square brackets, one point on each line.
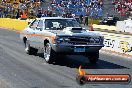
[29, 23]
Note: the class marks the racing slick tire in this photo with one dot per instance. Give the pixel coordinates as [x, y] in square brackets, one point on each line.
[30, 50]
[49, 53]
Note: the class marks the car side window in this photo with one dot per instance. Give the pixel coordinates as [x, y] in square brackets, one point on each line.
[34, 24]
[40, 25]
[48, 24]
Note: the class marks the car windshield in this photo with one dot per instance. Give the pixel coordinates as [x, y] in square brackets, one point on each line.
[59, 24]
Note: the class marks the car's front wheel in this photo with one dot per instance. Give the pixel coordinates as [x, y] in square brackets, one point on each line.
[49, 53]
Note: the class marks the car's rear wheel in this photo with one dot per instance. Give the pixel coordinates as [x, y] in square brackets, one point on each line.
[49, 53]
[30, 50]
[93, 57]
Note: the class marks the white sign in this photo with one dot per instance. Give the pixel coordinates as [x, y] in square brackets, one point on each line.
[56, 24]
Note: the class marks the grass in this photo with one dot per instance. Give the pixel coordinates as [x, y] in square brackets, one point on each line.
[93, 21]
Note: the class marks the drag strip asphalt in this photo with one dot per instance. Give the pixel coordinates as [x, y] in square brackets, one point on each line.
[19, 70]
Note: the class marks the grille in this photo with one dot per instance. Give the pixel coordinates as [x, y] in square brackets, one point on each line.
[83, 40]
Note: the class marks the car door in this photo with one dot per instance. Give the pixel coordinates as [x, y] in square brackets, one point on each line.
[32, 35]
[38, 40]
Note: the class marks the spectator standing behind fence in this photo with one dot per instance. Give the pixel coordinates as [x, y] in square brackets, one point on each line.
[44, 14]
[86, 20]
[0, 13]
[81, 18]
[39, 15]
[18, 14]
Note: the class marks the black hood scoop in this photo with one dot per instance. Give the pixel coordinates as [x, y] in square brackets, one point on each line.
[76, 30]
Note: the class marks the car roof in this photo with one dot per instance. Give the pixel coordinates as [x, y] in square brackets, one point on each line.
[42, 18]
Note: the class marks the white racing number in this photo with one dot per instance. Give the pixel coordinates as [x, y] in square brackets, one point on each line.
[109, 43]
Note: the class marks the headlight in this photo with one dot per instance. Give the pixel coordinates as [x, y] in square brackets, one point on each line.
[95, 40]
[91, 40]
[61, 40]
[66, 39]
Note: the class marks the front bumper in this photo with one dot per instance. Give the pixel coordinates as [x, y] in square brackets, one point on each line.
[69, 49]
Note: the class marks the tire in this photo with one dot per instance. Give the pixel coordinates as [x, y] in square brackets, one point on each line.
[30, 50]
[93, 57]
[49, 53]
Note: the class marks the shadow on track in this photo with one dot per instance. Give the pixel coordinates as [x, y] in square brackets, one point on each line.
[73, 61]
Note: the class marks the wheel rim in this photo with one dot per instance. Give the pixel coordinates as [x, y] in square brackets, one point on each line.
[47, 51]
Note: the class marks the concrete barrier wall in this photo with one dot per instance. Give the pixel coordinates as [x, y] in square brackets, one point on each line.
[118, 43]
[121, 26]
[13, 23]
[124, 26]
[104, 27]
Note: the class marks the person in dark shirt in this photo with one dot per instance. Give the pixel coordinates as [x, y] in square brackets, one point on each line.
[81, 18]
[18, 14]
[39, 15]
[86, 20]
